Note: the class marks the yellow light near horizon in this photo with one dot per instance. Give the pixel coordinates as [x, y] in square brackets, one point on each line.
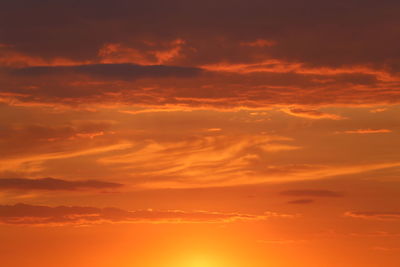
[201, 261]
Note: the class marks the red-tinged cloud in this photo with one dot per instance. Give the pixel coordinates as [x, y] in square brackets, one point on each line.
[152, 54]
[174, 87]
[373, 215]
[281, 66]
[312, 114]
[378, 110]
[52, 184]
[311, 193]
[259, 43]
[228, 160]
[40, 132]
[367, 131]
[33, 139]
[24, 214]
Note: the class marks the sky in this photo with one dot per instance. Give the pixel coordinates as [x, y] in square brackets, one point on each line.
[194, 133]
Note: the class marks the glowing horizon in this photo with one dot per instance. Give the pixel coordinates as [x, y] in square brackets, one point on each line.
[199, 133]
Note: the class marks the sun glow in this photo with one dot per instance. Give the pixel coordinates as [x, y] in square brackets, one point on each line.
[201, 261]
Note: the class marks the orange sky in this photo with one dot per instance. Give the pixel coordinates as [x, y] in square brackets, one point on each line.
[199, 133]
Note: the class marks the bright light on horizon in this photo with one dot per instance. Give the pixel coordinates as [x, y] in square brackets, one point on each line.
[201, 260]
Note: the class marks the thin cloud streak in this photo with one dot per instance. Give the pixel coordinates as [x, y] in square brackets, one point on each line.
[24, 214]
[367, 131]
[373, 215]
[38, 159]
[312, 114]
[311, 193]
[52, 184]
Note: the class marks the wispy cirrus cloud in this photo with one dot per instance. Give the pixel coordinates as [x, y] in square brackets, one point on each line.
[280, 66]
[37, 159]
[228, 159]
[24, 214]
[367, 131]
[312, 114]
[373, 215]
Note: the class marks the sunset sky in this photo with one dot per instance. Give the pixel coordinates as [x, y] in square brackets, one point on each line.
[199, 133]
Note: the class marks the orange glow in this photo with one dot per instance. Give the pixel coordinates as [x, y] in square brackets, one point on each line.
[199, 133]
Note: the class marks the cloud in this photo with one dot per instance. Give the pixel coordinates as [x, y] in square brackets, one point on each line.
[228, 160]
[378, 110]
[311, 193]
[386, 249]
[376, 234]
[151, 55]
[311, 114]
[24, 214]
[373, 215]
[294, 29]
[301, 201]
[37, 133]
[53, 184]
[367, 131]
[259, 43]
[26, 146]
[220, 86]
[122, 71]
[281, 66]
[274, 63]
[19, 162]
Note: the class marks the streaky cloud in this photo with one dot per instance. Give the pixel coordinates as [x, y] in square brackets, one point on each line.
[53, 184]
[24, 214]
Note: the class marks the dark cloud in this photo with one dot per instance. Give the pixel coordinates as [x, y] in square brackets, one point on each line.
[347, 52]
[312, 31]
[189, 87]
[311, 193]
[53, 184]
[110, 71]
[301, 201]
[42, 215]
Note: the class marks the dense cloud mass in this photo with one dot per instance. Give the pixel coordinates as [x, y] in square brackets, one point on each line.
[296, 27]
[244, 54]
